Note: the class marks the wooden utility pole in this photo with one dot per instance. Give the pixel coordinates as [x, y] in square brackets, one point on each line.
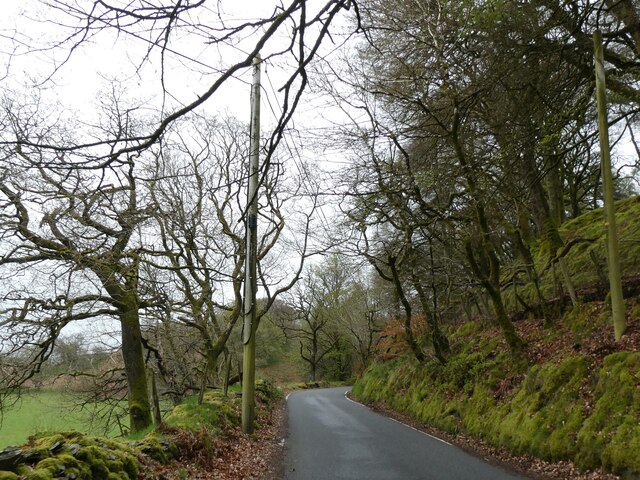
[250, 281]
[615, 278]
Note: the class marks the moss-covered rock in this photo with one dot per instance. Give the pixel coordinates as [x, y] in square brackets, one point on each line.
[74, 455]
[39, 475]
[103, 461]
[54, 466]
[81, 457]
[214, 411]
[157, 447]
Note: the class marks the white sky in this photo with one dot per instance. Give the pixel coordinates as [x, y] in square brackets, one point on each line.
[93, 67]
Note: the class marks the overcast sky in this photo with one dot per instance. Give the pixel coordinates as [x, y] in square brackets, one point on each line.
[28, 27]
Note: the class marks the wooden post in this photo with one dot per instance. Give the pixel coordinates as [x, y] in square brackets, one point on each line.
[227, 374]
[615, 277]
[250, 281]
[155, 399]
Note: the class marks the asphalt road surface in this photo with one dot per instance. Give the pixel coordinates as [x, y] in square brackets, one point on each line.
[333, 438]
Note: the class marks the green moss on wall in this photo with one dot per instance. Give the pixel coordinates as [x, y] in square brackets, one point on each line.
[544, 414]
[75, 455]
[39, 475]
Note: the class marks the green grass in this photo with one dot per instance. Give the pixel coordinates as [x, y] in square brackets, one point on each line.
[46, 411]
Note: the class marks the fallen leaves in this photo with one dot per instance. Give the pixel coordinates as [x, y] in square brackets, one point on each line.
[229, 456]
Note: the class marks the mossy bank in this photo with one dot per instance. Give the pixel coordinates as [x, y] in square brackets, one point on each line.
[574, 407]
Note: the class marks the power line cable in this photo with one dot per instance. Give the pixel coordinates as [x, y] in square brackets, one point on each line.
[302, 170]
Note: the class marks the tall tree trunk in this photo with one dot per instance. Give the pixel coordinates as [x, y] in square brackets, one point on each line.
[522, 246]
[133, 356]
[615, 277]
[493, 289]
[314, 356]
[157, 415]
[126, 295]
[439, 339]
[213, 349]
[546, 221]
[489, 277]
[314, 367]
[227, 373]
[556, 192]
[408, 332]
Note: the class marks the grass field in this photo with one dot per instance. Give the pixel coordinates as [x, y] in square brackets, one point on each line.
[45, 411]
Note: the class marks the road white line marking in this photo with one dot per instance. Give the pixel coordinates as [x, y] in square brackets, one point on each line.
[418, 430]
[398, 421]
[286, 399]
[353, 401]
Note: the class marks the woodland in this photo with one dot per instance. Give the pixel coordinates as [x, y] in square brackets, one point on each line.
[439, 241]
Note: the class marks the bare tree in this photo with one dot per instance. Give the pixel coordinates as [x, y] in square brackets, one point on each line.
[198, 189]
[361, 316]
[75, 221]
[75, 206]
[155, 32]
[311, 320]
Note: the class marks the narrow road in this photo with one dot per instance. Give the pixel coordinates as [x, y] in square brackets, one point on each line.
[333, 438]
